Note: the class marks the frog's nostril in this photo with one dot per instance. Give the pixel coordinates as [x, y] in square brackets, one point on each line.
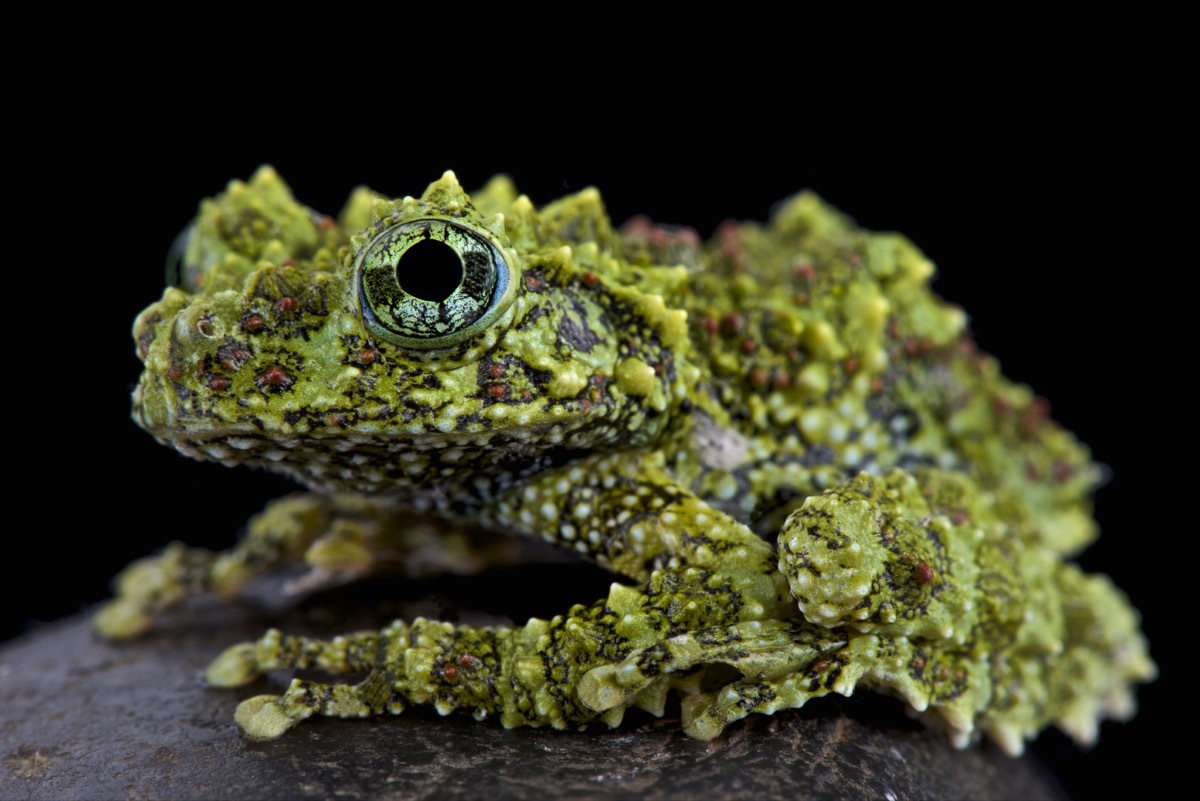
[429, 270]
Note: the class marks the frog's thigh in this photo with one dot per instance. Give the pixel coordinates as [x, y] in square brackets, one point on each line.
[626, 513]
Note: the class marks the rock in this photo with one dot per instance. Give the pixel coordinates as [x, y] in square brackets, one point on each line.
[84, 718]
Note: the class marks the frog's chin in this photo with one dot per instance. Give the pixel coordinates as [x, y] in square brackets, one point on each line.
[384, 452]
[404, 467]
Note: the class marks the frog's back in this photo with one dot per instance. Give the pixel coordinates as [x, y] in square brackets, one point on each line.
[824, 353]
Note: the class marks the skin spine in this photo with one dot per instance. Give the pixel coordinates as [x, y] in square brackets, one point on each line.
[784, 444]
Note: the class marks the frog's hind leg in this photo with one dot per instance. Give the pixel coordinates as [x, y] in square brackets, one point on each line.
[265, 717]
[784, 664]
[340, 537]
[706, 715]
[282, 532]
[242, 663]
[767, 653]
[421, 662]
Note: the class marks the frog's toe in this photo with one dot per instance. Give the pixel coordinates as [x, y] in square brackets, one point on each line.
[697, 718]
[229, 575]
[340, 552]
[600, 689]
[122, 619]
[237, 665]
[262, 718]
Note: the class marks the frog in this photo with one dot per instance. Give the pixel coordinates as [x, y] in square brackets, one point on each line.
[804, 475]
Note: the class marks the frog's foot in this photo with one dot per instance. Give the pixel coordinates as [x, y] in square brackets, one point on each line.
[265, 717]
[340, 537]
[242, 663]
[944, 688]
[423, 662]
[705, 715]
[262, 718]
[786, 663]
[284, 531]
[756, 649]
[150, 585]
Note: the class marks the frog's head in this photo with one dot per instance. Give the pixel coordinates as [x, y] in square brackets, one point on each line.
[347, 353]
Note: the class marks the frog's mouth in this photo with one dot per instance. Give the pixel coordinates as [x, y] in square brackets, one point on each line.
[374, 447]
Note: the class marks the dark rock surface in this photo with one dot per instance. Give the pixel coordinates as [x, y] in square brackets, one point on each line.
[81, 718]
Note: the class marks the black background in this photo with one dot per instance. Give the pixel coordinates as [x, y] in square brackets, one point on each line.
[1036, 154]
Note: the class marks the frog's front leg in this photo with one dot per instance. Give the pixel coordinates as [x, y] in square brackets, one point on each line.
[625, 512]
[340, 537]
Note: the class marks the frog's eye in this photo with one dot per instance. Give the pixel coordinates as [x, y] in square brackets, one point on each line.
[433, 283]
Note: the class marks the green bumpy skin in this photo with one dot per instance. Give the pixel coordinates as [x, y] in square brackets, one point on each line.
[783, 442]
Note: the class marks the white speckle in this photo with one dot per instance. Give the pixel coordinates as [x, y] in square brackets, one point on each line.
[549, 511]
[567, 531]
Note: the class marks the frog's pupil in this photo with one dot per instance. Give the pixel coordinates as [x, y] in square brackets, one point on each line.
[429, 270]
